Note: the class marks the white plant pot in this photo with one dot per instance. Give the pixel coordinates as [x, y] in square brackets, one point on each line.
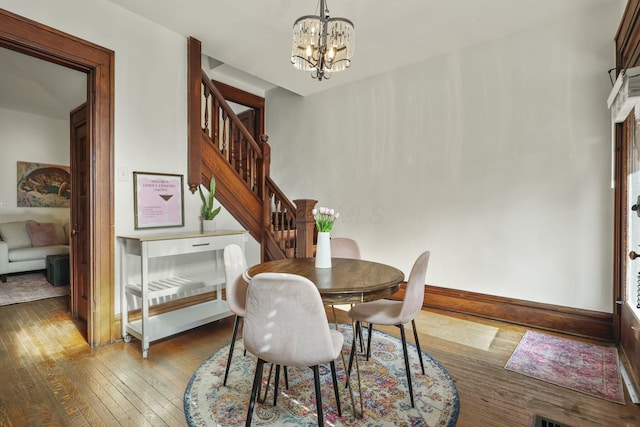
[208, 225]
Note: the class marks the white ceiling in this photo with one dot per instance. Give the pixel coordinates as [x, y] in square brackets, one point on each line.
[251, 41]
[255, 35]
[39, 87]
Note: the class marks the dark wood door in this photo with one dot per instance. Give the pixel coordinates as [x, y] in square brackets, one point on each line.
[80, 179]
[627, 205]
[248, 119]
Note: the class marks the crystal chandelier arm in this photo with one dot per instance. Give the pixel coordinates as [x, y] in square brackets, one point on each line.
[293, 57]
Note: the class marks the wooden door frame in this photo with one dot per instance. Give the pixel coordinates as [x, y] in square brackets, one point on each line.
[627, 55]
[241, 97]
[40, 41]
[627, 45]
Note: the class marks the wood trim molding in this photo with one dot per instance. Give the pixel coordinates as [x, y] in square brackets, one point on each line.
[627, 40]
[584, 323]
[241, 97]
[194, 128]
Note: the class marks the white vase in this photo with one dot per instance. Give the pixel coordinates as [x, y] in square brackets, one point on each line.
[323, 250]
[208, 225]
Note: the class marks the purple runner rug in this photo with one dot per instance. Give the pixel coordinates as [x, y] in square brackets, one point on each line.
[587, 368]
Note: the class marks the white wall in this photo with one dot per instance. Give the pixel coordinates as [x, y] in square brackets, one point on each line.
[495, 158]
[29, 138]
[150, 100]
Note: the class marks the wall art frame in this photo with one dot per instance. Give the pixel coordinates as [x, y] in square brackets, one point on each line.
[158, 200]
[42, 185]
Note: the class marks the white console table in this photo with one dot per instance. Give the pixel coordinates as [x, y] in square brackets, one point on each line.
[149, 329]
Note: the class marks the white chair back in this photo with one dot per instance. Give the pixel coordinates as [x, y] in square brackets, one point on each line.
[414, 294]
[344, 247]
[235, 264]
[285, 322]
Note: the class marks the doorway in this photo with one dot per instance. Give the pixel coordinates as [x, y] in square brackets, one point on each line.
[37, 40]
[36, 97]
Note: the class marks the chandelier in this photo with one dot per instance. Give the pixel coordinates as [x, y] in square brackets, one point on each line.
[322, 44]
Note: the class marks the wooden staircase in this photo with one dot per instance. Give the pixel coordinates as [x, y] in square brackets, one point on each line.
[221, 146]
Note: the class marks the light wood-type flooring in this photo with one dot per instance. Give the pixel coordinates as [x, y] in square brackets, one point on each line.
[50, 377]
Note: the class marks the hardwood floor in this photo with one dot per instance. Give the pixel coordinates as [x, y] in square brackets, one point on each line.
[50, 377]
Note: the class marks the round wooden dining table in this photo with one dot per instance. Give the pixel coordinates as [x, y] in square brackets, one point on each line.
[347, 281]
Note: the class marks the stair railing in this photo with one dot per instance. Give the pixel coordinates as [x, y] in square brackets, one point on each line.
[287, 229]
[226, 132]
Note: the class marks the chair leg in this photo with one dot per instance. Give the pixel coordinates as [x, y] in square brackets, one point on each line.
[233, 343]
[286, 378]
[335, 386]
[316, 381]
[359, 331]
[257, 379]
[406, 363]
[263, 398]
[275, 385]
[369, 340]
[415, 336]
[352, 355]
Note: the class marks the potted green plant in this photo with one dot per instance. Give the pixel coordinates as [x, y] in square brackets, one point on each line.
[208, 213]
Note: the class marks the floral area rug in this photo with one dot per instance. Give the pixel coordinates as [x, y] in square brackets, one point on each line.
[587, 368]
[29, 287]
[385, 395]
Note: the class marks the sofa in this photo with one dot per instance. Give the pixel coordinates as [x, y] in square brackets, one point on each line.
[25, 245]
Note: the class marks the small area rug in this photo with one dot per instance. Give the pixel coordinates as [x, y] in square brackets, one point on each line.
[587, 368]
[208, 403]
[460, 331]
[29, 287]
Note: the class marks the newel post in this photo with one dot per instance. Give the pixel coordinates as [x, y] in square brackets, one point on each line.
[194, 113]
[264, 166]
[305, 227]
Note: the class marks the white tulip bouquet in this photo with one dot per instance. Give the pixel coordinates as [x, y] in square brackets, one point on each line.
[325, 218]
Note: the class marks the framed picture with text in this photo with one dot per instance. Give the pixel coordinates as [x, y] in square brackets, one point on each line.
[158, 200]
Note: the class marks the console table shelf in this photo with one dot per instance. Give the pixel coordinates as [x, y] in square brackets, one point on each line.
[177, 321]
[151, 328]
[166, 287]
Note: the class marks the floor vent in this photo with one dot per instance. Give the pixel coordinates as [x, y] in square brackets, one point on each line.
[540, 421]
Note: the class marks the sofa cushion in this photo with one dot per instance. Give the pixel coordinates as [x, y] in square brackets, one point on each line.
[15, 234]
[45, 234]
[29, 254]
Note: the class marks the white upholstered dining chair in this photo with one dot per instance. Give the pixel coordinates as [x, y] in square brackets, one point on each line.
[285, 324]
[396, 313]
[235, 264]
[344, 247]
